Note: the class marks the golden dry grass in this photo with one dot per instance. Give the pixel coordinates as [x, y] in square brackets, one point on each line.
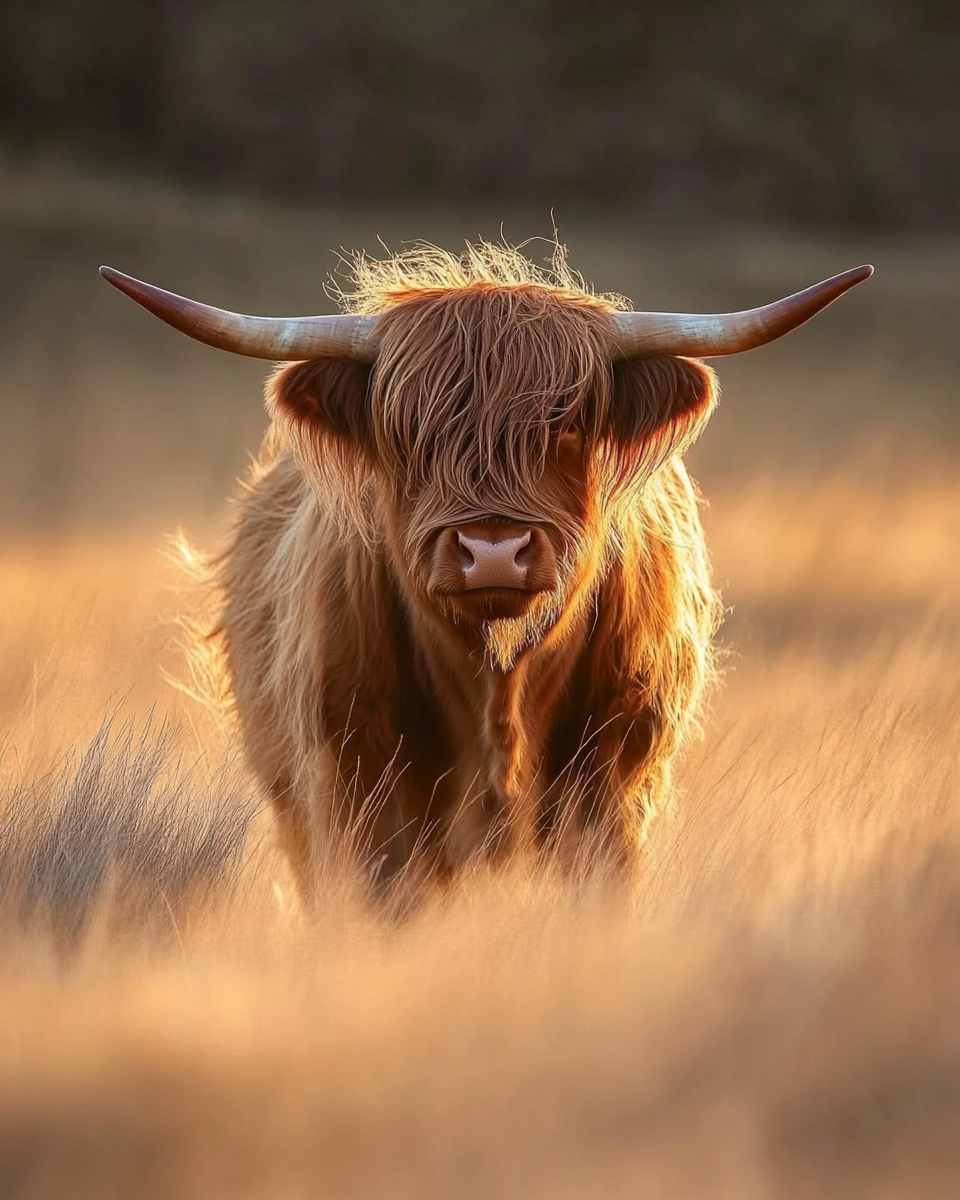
[773, 1014]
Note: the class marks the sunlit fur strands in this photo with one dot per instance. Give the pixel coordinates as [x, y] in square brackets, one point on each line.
[493, 395]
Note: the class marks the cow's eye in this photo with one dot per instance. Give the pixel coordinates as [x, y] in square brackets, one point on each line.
[570, 448]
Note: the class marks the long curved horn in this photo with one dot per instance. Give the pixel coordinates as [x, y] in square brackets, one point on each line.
[642, 333]
[283, 339]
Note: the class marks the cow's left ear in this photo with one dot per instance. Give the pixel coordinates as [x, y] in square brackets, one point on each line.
[661, 404]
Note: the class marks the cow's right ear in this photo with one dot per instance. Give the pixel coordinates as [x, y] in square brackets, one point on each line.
[325, 399]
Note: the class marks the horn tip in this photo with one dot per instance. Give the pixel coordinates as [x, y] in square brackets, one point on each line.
[136, 289]
[111, 275]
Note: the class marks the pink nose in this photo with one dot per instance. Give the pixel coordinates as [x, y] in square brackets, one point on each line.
[489, 563]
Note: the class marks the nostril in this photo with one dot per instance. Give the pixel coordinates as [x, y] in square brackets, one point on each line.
[464, 554]
[524, 554]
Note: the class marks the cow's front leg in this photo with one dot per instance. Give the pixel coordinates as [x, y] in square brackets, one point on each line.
[357, 807]
[624, 785]
[489, 822]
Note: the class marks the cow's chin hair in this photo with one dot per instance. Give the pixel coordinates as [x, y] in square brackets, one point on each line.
[506, 638]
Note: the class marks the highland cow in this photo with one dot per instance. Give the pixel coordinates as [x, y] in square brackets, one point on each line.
[467, 605]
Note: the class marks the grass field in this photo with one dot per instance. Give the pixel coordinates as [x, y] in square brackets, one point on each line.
[774, 1014]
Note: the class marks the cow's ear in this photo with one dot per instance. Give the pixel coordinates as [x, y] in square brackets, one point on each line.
[660, 405]
[323, 399]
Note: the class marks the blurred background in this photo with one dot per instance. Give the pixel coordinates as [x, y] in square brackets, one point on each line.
[830, 112]
[693, 155]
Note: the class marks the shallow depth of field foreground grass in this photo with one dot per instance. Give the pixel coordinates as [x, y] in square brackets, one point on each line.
[774, 1013]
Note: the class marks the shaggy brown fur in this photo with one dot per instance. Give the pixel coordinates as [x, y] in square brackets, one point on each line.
[362, 695]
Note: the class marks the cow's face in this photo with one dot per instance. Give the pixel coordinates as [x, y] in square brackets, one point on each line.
[496, 440]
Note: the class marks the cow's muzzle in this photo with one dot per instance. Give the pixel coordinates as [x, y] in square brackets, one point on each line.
[493, 568]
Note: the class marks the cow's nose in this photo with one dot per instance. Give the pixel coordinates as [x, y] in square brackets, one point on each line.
[487, 562]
